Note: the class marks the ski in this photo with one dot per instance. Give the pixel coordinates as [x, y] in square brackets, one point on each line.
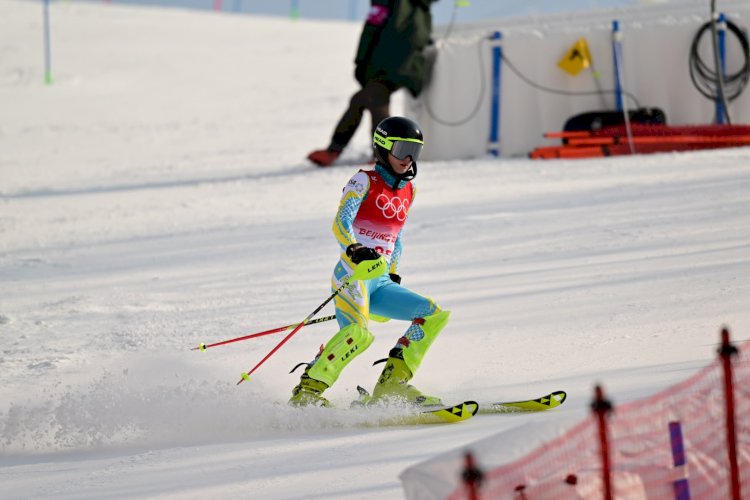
[442, 414]
[397, 416]
[448, 414]
[544, 403]
[467, 409]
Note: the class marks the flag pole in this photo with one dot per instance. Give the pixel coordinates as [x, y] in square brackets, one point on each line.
[47, 46]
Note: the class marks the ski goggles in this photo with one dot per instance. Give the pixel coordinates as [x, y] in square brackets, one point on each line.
[401, 147]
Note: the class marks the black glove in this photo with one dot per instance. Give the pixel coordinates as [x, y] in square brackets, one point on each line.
[395, 278]
[358, 252]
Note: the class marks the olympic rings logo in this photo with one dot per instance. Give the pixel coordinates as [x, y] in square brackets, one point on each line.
[392, 207]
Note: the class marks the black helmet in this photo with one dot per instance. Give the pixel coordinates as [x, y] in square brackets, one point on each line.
[401, 137]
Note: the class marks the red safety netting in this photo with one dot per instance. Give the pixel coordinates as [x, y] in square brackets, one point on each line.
[670, 445]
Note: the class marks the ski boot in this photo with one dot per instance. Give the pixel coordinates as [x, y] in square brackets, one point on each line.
[309, 392]
[393, 385]
[404, 360]
[321, 374]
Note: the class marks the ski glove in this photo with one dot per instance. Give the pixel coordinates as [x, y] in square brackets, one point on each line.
[395, 278]
[358, 252]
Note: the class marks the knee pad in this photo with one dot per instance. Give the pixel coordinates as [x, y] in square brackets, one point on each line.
[347, 344]
[431, 326]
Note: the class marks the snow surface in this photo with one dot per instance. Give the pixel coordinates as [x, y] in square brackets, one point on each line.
[156, 196]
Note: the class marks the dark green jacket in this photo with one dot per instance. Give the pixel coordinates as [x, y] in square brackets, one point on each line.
[391, 51]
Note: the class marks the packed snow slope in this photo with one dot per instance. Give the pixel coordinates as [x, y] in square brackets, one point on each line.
[155, 196]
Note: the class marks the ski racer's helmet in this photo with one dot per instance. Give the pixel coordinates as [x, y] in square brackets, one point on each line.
[401, 137]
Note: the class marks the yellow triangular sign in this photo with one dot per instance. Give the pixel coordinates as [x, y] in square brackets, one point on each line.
[577, 58]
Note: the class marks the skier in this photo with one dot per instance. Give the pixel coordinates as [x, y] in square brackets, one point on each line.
[371, 214]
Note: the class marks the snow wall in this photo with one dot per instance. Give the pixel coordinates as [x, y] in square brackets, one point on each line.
[457, 112]
[670, 445]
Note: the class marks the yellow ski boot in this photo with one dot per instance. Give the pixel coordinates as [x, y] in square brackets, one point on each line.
[309, 392]
[321, 374]
[393, 383]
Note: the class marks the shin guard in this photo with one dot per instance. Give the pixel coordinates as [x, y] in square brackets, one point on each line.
[347, 344]
[414, 350]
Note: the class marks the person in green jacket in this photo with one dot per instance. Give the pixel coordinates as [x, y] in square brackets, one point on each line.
[389, 57]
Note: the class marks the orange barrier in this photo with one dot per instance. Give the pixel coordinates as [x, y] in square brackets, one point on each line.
[645, 139]
[739, 140]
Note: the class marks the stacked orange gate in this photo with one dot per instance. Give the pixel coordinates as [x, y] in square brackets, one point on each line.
[645, 138]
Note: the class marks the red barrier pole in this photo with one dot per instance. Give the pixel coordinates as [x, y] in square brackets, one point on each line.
[726, 351]
[218, 5]
[601, 408]
[472, 476]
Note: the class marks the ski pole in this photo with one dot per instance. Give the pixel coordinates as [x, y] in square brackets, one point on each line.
[203, 347]
[366, 270]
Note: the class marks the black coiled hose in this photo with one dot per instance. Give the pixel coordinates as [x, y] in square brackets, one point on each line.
[705, 77]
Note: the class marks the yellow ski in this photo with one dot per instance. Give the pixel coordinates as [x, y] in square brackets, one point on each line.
[544, 403]
[449, 414]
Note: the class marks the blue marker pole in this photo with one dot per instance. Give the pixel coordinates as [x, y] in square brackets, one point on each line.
[497, 59]
[617, 50]
[238, 5]
[680, 485]
[47, 51]
[617, 55]
[722, 34]
[352, 10]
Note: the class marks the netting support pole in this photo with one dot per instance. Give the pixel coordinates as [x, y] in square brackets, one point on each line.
[472, 476]
[726, 351]
[602, 408]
